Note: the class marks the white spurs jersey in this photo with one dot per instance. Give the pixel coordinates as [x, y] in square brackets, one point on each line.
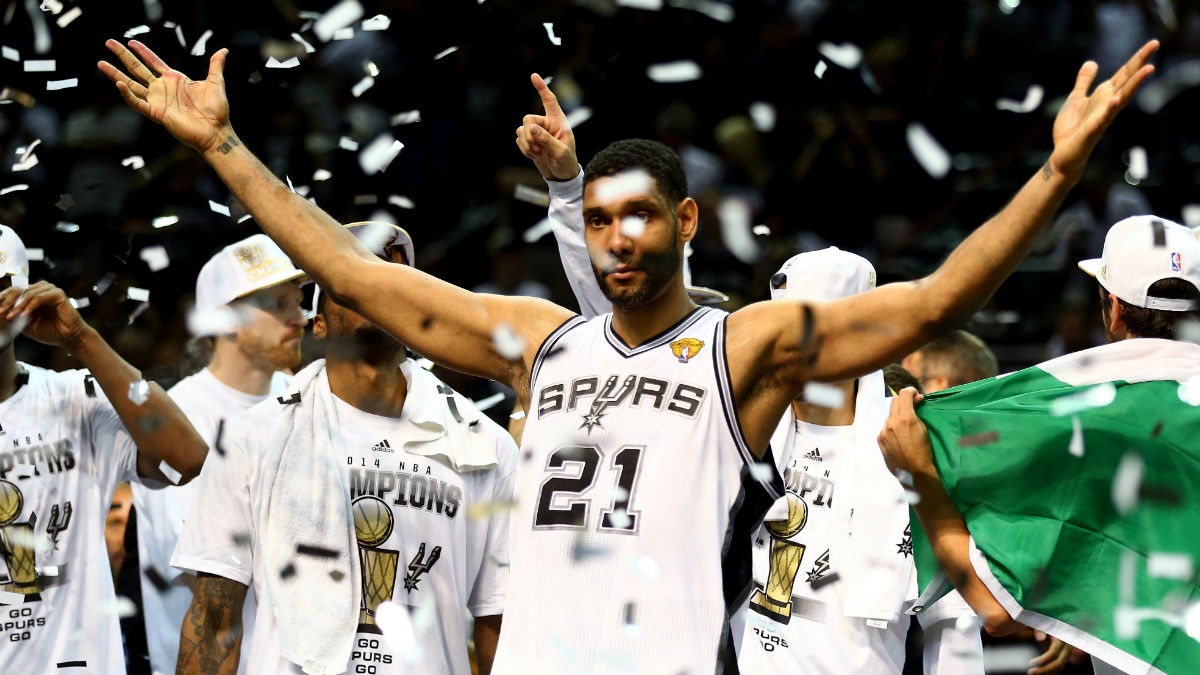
[636, 504]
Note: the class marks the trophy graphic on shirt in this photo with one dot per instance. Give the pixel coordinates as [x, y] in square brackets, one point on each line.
[19, 556]
[775, 601]
[373, 522]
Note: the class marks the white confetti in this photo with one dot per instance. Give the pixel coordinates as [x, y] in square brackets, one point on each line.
[1191, 215]
[1169, 566]
[1189, 391]
[28, 161]
[134, 162]
[379, 154]
[647, 567]
[10, 53]
[339, 16]
[539, 229]
[39, 65]
[1139, 165]
[55, 85]
[37, 541]
[218, 208]
[761, 230]
[14, 188]
[489, 402]
[674, 71]
[346, 33]
[633, 226]
[929, 153]
[397, 628]
[362, 85]
[518, 415]
[7, 598]
[347, 143]
[308, 49]
[179, 36]
[64, 226]
[445, 52]
[139, 392]
[165, 221]
[377, 22]
[215, 321]
[556, 41]
[911, 496]
[579, 116]
[762, 471]
[408, 117]
[1008, 658]
[847, 55]
[717, 11]
[820, 68]
[824, 395]
[509, 345]
[52, 6]
[35, 254]
[401, 201]
[1033, 99]
[1127, 483]
[79, 303]
[763, 114]
[138, 294]
[170, 472]
[1092, 397]
[649, 5]
[371, 68]
[71, 15]
[137, 30]
[276, 63]
[156, 257]
[321, 174]
[1191, 620]
[249, 216]
[199, 47]
[622, 186]
[48, 570]
[524, 193]
[1075, 447]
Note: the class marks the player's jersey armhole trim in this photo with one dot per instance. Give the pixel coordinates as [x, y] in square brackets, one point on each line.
[548, 345]
[773, 482]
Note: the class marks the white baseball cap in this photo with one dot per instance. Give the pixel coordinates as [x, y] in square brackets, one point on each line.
[825, 275]
[13, 260]
[377, 236]
[241, 268]
[1141, 250]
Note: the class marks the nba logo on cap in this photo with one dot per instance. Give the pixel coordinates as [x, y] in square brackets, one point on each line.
[1176, 262]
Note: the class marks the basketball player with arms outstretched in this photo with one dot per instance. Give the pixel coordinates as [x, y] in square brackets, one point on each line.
[645, 426]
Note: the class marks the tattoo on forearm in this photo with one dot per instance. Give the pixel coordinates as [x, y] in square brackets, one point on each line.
[212, 631]
[229, 144]
[1046, 171]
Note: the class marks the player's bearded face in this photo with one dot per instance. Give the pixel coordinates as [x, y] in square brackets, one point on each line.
[633, 239]
[656, 269]
[274, 326]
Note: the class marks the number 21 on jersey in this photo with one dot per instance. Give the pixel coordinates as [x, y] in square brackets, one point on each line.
[574, 469]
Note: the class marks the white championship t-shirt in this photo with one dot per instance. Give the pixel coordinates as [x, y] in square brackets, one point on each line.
[439, 556]
[207, 402]
[63, 450]
[809, 629]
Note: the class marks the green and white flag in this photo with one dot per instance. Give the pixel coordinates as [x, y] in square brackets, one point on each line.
[1079, 480]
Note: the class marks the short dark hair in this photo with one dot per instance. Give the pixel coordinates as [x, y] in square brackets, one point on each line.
[895, 377]
[960, 357]
[1155, 323]
[661, 162]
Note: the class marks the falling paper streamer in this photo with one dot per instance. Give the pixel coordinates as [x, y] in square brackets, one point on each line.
[179, 36]
[214, 321]
[1008, 658]
[649, 5]
[717, 11]
[824, 395]
[761, 230]
[1191, 215]
[156, 258]
[489, 402]
[55, 85]
[377, 22]
[39, 66]
[1092, 397]
[134, 162]
[347, 144]
[68, 17]
[379, 154]
[1189, 391]
[1139, 165]
[928, 152]
[622, 186]
[556, 41]
[137, 30]
[139, 391]
[168, 471]
[35, 254]
[339, 16]
[1033, 99]
[409, 117]
[14, 188]
[1170, 566]
[371, 68]
[735, 216]
[509, 344]
[52, 6]
[362, 86]
[762, 471]
[10, 53]
[397, 628]
[320, 175]
[199, 47]
[847, 55]
[64, 226]
[1191, 620]
[674, 71]
[578, 116]
[763, 114]
[1127, 483]
[633, 226]
[445, 52]
[518, 415]
[540, 229]
[820, 68]
[218, 208]
[1075, 447]
[276, 63]
[346, 33]
[401, 201]
[308, 49]
[164, 221]
[524, 193]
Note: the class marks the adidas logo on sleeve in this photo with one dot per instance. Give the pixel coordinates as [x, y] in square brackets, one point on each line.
[382, 446]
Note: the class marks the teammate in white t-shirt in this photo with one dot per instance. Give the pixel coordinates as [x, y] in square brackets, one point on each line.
[66, 440]
[577, 497]
[388, 411]
[258, 287]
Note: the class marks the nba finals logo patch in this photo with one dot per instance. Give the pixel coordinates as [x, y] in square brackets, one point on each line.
[686, 348]
[1176, 262]
[255, 262]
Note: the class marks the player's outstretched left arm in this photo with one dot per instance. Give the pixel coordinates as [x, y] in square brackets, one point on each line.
[797, 342]
[159, 429]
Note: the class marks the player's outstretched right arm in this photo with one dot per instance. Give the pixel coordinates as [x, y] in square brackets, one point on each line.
[440, 321]
[210, 640]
